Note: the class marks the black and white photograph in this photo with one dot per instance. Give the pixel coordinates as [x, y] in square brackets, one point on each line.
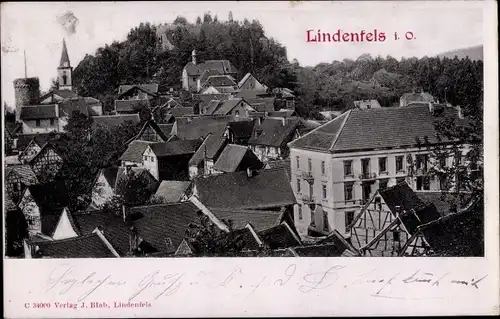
[188, 130]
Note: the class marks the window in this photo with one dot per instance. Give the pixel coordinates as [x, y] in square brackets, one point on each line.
[323, 167]
[349, 217]
[37, 123]
[51, 122]
[382, 164]
[313, 222]
[443, 182]
[323, 187]
[458, 158]
[395, 236]
[442, 161]
[237, 113]
[399, 163]
[348, 191]
[298, 161]
[298, 185]
[423, 183]
[145, 158]
[325, 220]
[422, 162]
[377, 203]
[309, 164]
[299, 210]
[383, 183]
[347, 168]
[365, 167]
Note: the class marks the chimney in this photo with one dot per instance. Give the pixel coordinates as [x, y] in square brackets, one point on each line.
[259, 120]
[431, 108]
[397, 210]
[459, 110]
[132, 239]
[193, 57]
[249, 172]
[283, 121]
[168, 244]
[125, 213]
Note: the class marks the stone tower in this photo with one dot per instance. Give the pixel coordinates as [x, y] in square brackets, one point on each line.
[26, 92]
[65, 71]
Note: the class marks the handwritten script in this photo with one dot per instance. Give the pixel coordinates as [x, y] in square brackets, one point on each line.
[74, 282]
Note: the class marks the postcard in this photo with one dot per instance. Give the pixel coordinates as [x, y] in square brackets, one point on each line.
[286, 158]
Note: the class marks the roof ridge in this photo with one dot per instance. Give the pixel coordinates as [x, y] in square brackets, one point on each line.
[314, 130]
[347, 116]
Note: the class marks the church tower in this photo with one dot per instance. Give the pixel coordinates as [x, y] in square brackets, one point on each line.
[64, 71]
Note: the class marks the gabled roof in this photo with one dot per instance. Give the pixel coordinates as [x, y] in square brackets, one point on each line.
[442, 201]
[115, 120]
[25, 172]
[272, 132]
[49, 196]
[130, 105]
[24, 140]
[150, 88]
[262, 104]
[39, 112]
[235, 155]
[284, 164]
[246, 78]
[109, 175]
[335, 238]
[121, 176]
[152, 124]
[227, 106]
[249, 95]
[223, 66]
[206, 74]
[212, 106]
[166, 129]
[173, 148]
[373, 129]
[281, 236]
[210, 148]
[111, 224]
[259, 219]
[134, 151]
[88, 246]
[160, 222]
[265, 189]
[206, 98]
[241, 129]
[68, 106]
[172, 191]
[201, 127]
[179, 111]
[219, 80]
[457, 235]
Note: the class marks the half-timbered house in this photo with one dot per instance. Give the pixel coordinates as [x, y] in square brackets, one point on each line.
[47, 163]
[29, 152]
[385, 223]
[17, 178]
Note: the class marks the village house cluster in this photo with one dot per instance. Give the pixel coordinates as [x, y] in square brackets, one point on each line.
[354, 184]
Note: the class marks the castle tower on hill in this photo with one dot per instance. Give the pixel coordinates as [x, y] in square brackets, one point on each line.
[26, 92]
[65, 71]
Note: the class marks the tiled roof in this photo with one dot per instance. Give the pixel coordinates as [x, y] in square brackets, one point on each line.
[282, 113]
[160, 222]
[280, 236]
[151, 88]
[457, 235]
[235, 155]
[253, 94]
[241, 129]
[244, 79]
[443, 202]
[116, 120]
[213, 106]
[228, 106]
[172, 191]
[88, 246]
[152, 124]
[206, 74]
[273, 132]
[39, 112]
[219, 80]
[130, 105]
[266, 189]
[259, 219]
[339, 241]
[26, 173]
[49, 196]
[67, 107]
[121, 176]
[372, 129]
[9, 204]
[23, 140]
[134, 151]
[284, 164]
[223, 66]
[179, 111]
[200, 127]
[206, 98]
[173, 148]
[166, 129]
[211, 148]
[111, 224]
[244, 238]
[110, 174]
[262, 104]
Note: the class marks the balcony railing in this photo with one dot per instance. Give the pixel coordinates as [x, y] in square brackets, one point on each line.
[366, 176]
[308, 176]
[308, 199]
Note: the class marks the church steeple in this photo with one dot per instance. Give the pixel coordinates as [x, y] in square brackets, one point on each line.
[65, 70]
[64, 56]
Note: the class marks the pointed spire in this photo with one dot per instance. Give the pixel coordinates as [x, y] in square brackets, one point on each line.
[64, 56]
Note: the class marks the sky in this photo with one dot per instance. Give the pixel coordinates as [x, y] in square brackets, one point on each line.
[36, 28]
